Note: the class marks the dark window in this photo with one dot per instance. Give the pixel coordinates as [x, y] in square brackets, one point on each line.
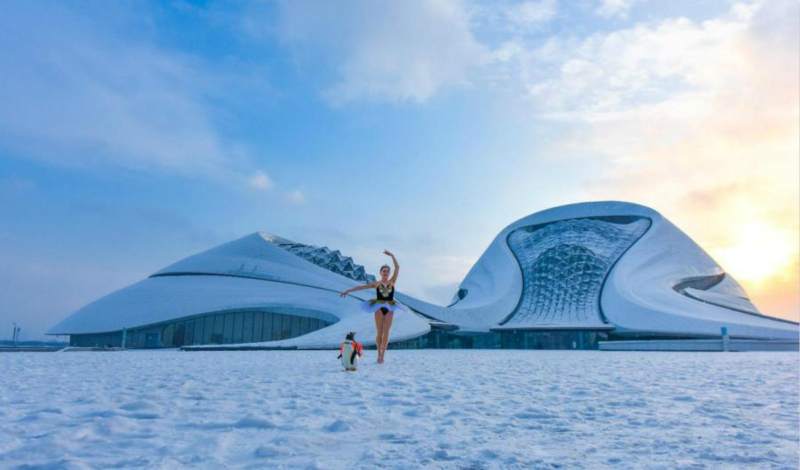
[304, 325]
[277, 326]
[189, 334]
[151, 340]
[227, 333]
[258, 326]
[167, 335]
[238, 327]
[286, 330]
[208, 328]
[247, 329]
[266, 333]
[179, 333]
[219, 323]
[198, 331]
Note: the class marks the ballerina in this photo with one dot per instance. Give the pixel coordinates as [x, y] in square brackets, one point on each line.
[383, 305]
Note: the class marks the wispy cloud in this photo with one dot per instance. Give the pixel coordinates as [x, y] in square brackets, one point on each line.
[261, 181]
[396, 51]
[614, 8]
[510, 20]
[81, 92]
[531, 14]
[295, 197]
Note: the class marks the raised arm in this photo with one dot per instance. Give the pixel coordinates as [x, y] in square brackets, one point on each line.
[357, 288]
[396, 266]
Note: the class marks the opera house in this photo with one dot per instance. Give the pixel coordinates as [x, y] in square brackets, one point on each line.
[563, 278]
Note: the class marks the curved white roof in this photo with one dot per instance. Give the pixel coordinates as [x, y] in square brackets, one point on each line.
[251, 272]
[638, 292]
[258, 256]
[494, 285]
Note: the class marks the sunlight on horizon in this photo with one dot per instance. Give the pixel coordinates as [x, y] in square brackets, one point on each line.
[761, 251]
[764, 260]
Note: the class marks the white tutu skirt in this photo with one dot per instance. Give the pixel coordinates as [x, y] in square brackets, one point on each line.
[372, 305]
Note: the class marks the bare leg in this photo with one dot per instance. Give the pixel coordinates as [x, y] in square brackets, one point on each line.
[387, 324]
[379, 333]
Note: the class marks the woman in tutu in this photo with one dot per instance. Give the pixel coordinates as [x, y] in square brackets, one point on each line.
[383, 305]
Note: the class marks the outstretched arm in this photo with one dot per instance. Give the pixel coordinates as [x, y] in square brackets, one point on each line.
[396, 266]
[357, 288]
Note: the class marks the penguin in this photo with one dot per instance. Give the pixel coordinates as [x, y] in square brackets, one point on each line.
[350, 352]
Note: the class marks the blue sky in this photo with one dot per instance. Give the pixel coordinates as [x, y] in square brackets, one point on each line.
[133, 134]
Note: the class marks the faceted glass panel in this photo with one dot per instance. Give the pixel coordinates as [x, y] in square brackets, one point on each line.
[563, 268]
[330, 260]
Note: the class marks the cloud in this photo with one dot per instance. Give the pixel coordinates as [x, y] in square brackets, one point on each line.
[532, 14]
[296, 197]
[614, 8]
[504, 21]
[390, 52]
[98, 94]
[609, 74]
[697, 119]
[261, 181]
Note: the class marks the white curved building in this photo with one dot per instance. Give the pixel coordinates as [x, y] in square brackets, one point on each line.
[561, 278]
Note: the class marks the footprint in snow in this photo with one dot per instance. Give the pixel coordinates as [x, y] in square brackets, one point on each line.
[338, 426]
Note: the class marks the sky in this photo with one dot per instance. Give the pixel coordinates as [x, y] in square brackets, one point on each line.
[136, 133]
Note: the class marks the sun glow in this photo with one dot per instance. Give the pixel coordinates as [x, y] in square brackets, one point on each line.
[760, 252]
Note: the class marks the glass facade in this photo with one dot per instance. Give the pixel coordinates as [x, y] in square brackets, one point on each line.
[564, 264]
[513, 339]
[252, 326]
[229, 327]
[332, 260]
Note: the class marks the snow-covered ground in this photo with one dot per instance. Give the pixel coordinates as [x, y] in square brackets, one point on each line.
[461, 409]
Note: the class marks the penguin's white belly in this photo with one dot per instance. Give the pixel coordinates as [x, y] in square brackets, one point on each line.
[349, 355]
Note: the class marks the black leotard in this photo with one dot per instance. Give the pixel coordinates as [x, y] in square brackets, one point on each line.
[379, 292]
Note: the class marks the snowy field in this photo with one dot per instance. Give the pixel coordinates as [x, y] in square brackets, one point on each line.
[422, 409]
